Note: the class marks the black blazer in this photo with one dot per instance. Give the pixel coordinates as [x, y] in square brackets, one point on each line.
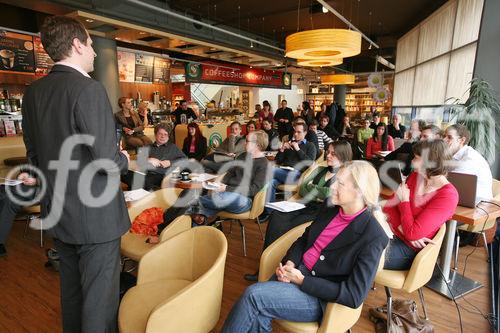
[62, 104]
[200, 150]
[350, 262]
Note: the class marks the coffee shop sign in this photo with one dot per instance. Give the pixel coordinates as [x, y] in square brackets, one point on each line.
[237, 75]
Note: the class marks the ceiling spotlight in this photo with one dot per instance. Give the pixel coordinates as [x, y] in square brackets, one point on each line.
[324, 10]
[251, 44]
[142, 33]
[370, 47]
[251, 67]
[89, 20]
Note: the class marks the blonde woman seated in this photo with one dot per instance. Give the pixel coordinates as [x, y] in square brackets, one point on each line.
[335, 260]
[313, 191]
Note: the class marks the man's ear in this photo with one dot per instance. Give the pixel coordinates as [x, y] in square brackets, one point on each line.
[77, 46]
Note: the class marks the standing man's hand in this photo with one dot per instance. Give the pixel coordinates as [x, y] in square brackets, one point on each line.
[27, 179]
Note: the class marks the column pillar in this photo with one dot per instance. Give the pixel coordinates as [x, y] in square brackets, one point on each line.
[106, 68]
[487, 55]
[339, 94]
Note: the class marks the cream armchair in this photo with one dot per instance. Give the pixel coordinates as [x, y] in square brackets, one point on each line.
[134, 246]
[337, 318]
[416, 277]
[179, 285]
[258, 203]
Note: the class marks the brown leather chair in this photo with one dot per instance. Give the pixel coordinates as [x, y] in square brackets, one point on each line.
[179, 285]
[416, 277]
[258, 204]
[337, 318]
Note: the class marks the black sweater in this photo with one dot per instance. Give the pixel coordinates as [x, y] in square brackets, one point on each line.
[200, 150]
[248, 184]
[289, 157]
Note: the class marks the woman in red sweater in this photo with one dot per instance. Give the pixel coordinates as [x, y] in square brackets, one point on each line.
[421, 205]
[380, 141]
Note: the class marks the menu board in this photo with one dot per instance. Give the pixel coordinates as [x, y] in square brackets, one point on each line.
[161, 70]
[16, 53]
[126, 66]
[144, 67]
[43, 63]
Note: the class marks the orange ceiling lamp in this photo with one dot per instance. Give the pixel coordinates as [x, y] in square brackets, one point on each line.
[319, 62]
[323, 44]
[335, 79]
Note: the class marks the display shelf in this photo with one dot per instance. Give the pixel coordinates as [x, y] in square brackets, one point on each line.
[315, 100]
[364, 102]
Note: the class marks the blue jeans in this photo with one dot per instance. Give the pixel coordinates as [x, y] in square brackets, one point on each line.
[224, 201]
[280, 176]
[264, 301]
[399, 256]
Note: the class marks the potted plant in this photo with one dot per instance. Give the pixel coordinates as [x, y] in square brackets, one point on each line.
[478, 115]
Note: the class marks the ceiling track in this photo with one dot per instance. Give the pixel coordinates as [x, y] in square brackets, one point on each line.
[188, 19]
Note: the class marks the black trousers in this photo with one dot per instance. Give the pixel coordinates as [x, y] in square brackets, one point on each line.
[90, 286]
[9, 209]
[280, 223]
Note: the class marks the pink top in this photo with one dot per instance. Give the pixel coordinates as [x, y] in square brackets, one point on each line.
[332, 230]
[192, 147]
[423, 215]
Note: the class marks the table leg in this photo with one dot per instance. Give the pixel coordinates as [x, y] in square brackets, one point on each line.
[454, 285]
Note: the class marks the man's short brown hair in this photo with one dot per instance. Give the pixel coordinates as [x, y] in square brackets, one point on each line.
[161, 126]
[57, 34]
[462, 131]
[437, 155]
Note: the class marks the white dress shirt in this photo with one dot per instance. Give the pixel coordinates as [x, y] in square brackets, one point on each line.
[470, 161]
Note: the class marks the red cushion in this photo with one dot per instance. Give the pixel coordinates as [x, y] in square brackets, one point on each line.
[146, 223]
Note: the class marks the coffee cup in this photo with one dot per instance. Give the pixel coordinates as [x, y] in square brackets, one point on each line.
[8, 58]
[185, 176]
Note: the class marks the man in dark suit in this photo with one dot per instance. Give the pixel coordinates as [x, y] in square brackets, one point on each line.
[183, 110]
[284, 118]
[69, 133]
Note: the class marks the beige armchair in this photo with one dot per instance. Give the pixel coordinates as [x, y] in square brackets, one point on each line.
[134, 246]
[179, 285]
[479, 228]
[258, 204]
[414, 279]
[337, 318]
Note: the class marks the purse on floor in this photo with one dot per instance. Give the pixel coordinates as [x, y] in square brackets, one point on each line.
[404, 318]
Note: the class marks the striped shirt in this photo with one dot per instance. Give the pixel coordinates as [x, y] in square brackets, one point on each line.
[323, 139]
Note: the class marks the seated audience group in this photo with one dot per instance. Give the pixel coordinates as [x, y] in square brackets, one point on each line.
[341, 197]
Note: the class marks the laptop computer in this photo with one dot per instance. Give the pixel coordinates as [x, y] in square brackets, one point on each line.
[466, 185]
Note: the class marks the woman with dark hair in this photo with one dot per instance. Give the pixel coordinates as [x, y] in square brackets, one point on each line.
[195, 144]
[420, 205]
[314, 189]
[380, 141]
[335, 260]
[307, 113]
[266, 112]
[251, 126]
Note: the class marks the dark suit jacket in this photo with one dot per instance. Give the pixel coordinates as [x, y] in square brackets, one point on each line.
[350, 262]
[62, 104]
[200, 150]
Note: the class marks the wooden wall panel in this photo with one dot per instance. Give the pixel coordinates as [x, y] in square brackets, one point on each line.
[461, 70]
[407, 50]
[430, 82]
[436, 32]
[403, 88]
[129, 89]
[468, 22]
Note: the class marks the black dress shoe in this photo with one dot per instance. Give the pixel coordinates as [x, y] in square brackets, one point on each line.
[252, 277]
[3, 250]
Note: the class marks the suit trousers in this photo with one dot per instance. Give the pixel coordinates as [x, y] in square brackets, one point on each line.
[90, 286]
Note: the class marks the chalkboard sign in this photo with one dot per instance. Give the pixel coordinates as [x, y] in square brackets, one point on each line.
[161, 70]
[16, 53]
[43, 62]
[143, 68]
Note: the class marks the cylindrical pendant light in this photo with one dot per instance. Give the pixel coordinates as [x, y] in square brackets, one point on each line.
[338, 79]
[320, 62]
[323, 44]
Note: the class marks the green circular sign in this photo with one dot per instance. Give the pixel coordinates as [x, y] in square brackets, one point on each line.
[213, 138]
